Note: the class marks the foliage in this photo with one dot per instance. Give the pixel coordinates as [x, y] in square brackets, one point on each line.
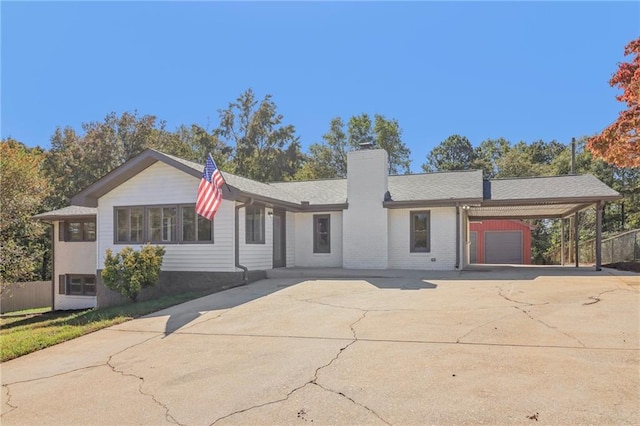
[619, 143]
[22, 193]
[24, 332]
[129, 271]
[265, 148]
[329, 159]
[454, 153]
[487, 155]
[75, 161]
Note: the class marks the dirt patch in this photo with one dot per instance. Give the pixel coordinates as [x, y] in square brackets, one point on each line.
[624, 266]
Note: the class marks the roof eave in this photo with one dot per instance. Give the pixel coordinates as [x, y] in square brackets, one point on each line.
[565, 200]
[53, 218]
[404, 204]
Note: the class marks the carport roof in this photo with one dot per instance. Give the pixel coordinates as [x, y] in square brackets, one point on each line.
[540, 197]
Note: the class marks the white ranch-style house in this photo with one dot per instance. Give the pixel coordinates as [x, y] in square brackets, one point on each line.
[369, 220]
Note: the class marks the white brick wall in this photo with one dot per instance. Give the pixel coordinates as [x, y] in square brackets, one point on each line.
[365, 222]
[305, 257]
[443, 240]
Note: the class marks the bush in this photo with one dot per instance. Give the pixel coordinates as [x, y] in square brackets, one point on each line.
[129, 271]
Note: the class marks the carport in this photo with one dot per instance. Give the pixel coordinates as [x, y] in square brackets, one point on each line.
[548, 197]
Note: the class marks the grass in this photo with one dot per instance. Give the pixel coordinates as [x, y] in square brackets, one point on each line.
[28, 331]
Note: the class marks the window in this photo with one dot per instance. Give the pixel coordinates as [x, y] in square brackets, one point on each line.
[195, 227]
[254, 225]
[78, 230]
[77, 285]
[130, 225]
[161, 224]
[321, 233]
[420, 231]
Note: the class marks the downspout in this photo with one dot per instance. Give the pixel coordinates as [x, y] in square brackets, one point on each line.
[457, 236]
[245, 270]
[53, 265]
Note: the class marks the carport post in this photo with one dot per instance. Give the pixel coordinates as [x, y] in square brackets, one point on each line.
[599, 208]
[576, 238]
[562, 241]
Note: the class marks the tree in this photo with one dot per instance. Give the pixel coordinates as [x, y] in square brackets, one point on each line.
[23, 190]
[264, 148]
[488, 154]
[619, 143]
[454, 153]
[518, 162]
[130, 271]
[329, 159]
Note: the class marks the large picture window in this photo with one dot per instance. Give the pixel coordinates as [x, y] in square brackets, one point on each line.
[161, 224]
[78, 230]
[321, 233]
[420, 231]
[254, 225]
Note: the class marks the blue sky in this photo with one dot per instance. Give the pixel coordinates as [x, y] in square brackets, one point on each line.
[523, 71]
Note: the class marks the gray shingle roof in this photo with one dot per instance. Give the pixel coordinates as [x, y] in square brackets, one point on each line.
[419, 189]
[437, 186]
[67, 212]
[547, 187]
[328, 191]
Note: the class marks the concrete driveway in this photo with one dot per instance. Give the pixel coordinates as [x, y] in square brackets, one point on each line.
[493, 346]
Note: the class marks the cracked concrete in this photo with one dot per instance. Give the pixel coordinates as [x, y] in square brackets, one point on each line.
[389, 347]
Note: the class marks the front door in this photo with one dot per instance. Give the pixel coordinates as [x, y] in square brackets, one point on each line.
[279, 239]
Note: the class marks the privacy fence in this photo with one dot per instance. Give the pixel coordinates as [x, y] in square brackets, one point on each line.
[624, 247]
[29, 295]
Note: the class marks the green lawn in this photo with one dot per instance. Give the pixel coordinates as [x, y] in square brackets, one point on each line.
[27, 331]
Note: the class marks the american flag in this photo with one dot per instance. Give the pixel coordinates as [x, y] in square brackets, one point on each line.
[210, 190]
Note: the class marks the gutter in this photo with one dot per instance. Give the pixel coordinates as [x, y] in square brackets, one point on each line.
[245, 270]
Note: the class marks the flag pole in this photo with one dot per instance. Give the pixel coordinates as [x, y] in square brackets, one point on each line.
[220, 171]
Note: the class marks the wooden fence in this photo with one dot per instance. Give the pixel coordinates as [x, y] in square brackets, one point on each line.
[29, 295]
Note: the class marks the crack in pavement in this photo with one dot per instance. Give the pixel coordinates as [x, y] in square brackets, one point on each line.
[597, 298]
[168, 416]
[353, 401]
[500, 290]
[8, 402]
[88, 367]
[480, 326]
[314, 380]
[528, 313]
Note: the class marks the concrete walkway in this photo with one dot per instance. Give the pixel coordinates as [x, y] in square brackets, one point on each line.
[500, 346]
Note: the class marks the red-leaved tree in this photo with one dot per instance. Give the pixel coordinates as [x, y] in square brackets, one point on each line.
[619, 143]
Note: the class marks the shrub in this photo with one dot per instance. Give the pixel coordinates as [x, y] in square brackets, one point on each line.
[129, 271]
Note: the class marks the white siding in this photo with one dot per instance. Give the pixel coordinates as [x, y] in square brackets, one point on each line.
[256, 256]
[162, 184]
[443, 240]
[76, 257]
[291, 239]
[366, 221]
[305, 257]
